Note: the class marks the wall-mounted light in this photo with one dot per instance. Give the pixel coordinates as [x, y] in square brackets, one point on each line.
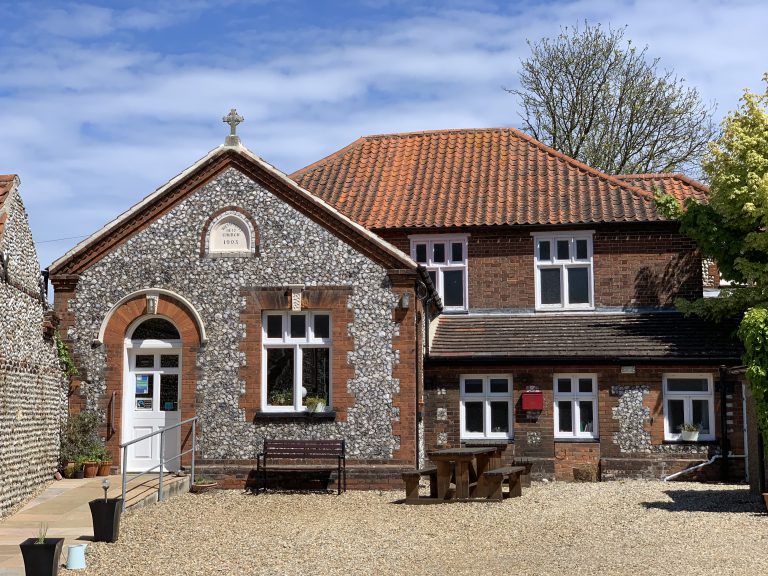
[405, 301]
[627, 369]
[152, 303]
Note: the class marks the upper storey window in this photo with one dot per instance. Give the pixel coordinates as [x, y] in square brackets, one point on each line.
[564, 271]
[445, 258]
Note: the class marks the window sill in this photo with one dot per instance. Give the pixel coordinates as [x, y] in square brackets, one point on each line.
[578, 440]
[694, 442]
[295, 415]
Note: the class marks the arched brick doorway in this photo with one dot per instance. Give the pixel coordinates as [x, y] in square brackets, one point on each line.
[114, 333]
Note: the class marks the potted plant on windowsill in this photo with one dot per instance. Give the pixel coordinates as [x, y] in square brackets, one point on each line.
[689, 432]
[41, 554]
[314, 404]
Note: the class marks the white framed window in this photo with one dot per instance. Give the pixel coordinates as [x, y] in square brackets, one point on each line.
[575, 406]
[564, 271]
[486, 406]
[689, 399]
[445, 258]
[296, 361]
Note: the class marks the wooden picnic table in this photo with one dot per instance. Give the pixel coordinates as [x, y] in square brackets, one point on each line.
[468, 463]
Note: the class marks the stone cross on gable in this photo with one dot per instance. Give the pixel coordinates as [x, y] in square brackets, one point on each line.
[233, 119]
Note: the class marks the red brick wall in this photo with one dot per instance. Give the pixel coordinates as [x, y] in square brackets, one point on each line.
[634, 265]
[558, 458]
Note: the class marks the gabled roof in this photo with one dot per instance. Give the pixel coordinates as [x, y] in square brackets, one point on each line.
[8, 183]
[678, 185]
[654, 336]
[216, 161]
[456, 178]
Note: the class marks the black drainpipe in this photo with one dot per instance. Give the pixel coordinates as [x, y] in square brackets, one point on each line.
[724, 442]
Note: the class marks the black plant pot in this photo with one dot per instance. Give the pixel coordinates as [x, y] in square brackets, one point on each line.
[106, 519]
[41, 559]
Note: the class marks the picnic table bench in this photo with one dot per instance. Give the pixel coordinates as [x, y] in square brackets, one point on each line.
[279, 455]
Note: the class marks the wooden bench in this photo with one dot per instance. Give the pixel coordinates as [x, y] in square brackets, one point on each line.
[412, 479]
[525, 479]
[312, 453]
[489, 484]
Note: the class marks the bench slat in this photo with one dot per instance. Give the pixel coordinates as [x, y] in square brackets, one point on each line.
[307, 451]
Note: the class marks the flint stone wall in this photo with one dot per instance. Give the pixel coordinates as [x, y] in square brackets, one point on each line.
[32, 393]
[293, 250]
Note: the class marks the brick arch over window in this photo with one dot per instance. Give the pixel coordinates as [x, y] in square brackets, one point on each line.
[237, 212]
[115, 332]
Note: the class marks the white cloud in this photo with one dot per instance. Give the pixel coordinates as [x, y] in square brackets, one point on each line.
[94, 116]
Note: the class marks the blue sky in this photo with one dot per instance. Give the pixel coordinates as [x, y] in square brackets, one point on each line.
[102, 102]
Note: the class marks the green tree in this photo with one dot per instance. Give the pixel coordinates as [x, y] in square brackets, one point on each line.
[732, 228]
[592, 97]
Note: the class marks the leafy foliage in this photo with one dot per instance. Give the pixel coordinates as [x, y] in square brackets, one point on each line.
[80, 440]
[591, 97]
[732, 229]
[66, 361]
[754, 333]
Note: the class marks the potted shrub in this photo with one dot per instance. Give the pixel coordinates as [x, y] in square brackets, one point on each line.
[41, 554]
[79, 470]
[91, 464]
[689, 432]
[203, 484]
[79, 437]
[105, 462]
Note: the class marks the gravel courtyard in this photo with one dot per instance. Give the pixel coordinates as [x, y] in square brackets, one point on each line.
[631, 527]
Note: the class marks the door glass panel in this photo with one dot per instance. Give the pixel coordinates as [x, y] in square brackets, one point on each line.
[315, 373]
[421, 253]
[585, 416]
[473, 386]
[545, 253]
[581, 249]
[280, 376]
[169, 392]
[298, 326]
[473, 416]
[550, 286]
[500, 416]
[275, 326]
[563, 252]
[563, 384]
[169, 361]
[675, 415]
[578, 286]
[457, 252]
[565, 416]
[499, 385]
[453, 287]
[144, 388]
[585, 385]
[700, 415]
[438, 252]
[145, 361]
[144, 385]
[322, 326]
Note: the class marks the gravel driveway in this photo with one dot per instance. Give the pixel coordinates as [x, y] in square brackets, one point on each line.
[631, 527]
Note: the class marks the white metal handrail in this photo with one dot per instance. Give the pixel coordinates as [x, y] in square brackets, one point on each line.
[163, 459]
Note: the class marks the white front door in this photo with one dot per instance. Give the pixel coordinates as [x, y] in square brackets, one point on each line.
[152, 394]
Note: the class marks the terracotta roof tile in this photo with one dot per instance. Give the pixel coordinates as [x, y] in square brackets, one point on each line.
[469, 178]
[680, 186]
[655, 335]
